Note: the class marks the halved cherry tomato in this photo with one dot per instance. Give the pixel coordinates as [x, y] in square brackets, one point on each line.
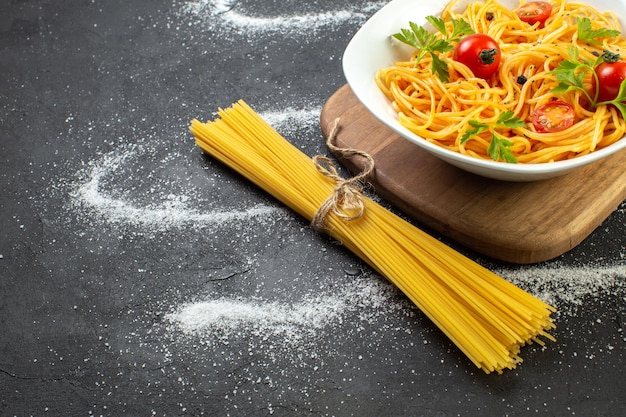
[610, 77]
[553, 116]
[481, 54]
[535, 11]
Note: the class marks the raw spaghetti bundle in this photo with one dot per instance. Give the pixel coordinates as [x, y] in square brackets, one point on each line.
[487, 317]
[440, 112]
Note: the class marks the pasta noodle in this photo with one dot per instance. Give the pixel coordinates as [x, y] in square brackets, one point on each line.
[440, 111]
[487, 317]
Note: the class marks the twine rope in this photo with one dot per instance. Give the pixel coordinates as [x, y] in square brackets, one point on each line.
[346, 201]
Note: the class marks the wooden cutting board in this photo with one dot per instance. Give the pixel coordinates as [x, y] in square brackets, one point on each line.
[514, 222]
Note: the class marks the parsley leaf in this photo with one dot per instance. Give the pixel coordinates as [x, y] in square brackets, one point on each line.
[509, 120]
[499, 147]
[417, 36]
[440, 67]
[571, 73]
[428, 43]
[477, 129]
[437, 22]
[459, 28]
[587, 34]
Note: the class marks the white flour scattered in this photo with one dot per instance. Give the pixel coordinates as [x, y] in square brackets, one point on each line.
[566, 287]
[173, 212]
[292, 116]
[215, 319]
[230, 15]
[260, 316]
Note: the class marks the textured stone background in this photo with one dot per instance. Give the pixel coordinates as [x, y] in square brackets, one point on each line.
[115, 226]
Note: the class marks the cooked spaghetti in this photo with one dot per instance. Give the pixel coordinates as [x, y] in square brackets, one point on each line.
[487, 317]
[441, 112]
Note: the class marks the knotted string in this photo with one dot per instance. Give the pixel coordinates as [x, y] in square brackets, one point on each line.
[346, 201]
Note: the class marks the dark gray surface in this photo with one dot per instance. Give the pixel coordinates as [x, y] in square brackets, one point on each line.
[113, 221]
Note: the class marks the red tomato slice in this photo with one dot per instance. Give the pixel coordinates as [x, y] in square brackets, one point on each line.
[553, 117]
[535, 11]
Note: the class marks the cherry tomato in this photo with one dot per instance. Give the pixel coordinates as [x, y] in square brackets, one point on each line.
[610, 77]
[481, 54]
[535, 11]
[553, 117]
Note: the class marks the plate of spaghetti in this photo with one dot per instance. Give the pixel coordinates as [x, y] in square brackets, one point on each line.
[513, 90]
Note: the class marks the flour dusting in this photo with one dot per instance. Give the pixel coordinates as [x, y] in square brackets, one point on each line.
[291, 116]
[173, 211]
[229, 14]
[261, 316]
[565, 286]
[292, 321]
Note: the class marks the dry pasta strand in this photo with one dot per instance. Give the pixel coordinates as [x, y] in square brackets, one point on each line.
[487, 317]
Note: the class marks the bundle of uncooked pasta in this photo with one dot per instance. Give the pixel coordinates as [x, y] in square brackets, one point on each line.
[487, 317]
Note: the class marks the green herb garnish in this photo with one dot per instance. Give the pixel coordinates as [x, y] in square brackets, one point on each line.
[499, 148]
[571, 73]
[427, 42]
[587, 34]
